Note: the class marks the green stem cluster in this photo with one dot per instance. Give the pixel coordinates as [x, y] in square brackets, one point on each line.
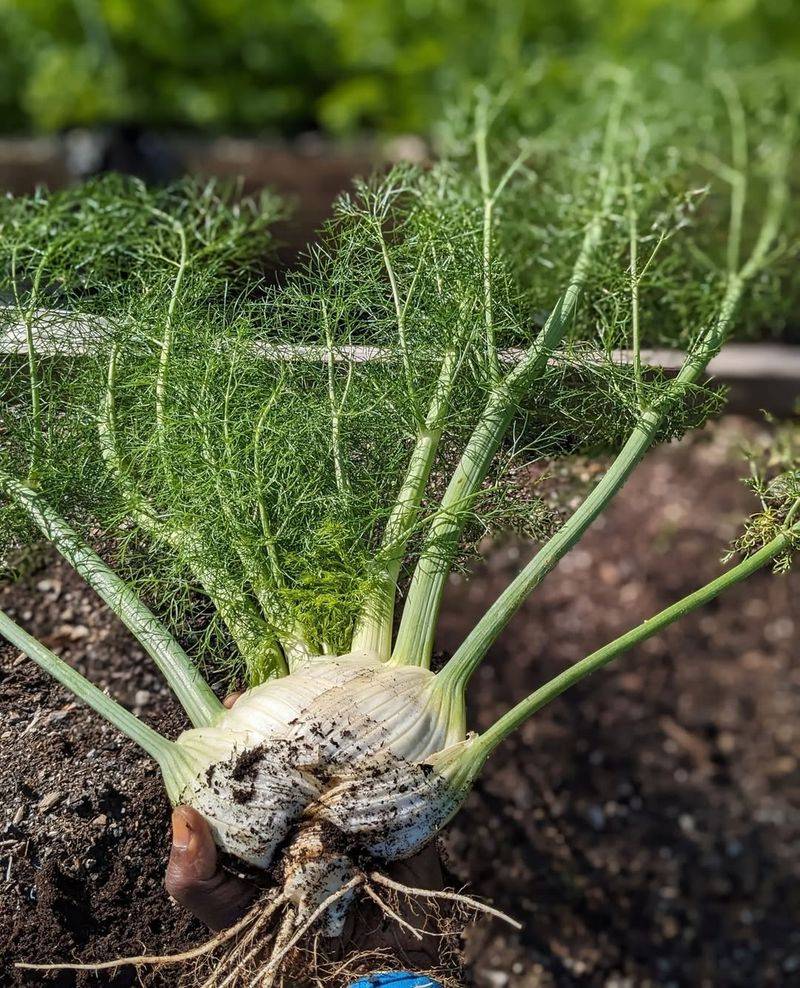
[373, 631]
[459, 669]
[415, 637]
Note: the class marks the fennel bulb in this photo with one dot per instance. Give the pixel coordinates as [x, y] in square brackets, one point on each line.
[345, 754]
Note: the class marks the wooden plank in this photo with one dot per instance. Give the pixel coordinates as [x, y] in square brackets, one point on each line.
[761, 375]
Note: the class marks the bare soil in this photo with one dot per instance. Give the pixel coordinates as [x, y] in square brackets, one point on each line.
[645, 828]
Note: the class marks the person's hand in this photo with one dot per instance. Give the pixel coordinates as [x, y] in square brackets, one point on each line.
[195, 878]
[198, 882]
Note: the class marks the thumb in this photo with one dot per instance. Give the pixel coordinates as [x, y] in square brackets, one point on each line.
[194, 855]
[195, 878]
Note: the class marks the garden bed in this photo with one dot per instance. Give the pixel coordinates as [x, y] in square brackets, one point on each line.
[644, 829]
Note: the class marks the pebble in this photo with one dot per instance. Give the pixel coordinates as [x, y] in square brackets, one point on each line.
[726, 742]
[141, 698]
[100, 821]
[73, 632]
[780, 630]
[497, 979]
[597, 817]
[670, 927]
[609, 574]
[49, 801]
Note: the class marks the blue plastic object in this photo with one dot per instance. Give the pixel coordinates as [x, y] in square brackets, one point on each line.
[396, 979]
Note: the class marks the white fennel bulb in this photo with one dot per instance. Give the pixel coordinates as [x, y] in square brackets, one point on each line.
[345, 753]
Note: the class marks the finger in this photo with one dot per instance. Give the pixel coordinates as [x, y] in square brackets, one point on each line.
[196, 880]
[232, 698]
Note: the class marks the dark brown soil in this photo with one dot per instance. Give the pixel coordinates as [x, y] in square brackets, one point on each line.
[645, 828]
[84, 838]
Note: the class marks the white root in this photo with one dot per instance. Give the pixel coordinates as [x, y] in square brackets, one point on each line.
[464, 900]
[153, 960]
[288, 922]
[387, 909]
[244, 943]
[322, 908]
[284, 934]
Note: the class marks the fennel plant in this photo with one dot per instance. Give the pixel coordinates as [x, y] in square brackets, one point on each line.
[280, 461]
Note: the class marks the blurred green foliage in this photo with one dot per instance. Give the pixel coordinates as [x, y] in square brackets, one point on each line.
[339, 65]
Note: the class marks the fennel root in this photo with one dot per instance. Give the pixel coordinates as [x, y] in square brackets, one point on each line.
[272, 938]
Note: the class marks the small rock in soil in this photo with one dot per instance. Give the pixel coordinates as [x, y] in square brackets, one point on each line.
[49, 801]
[496, 979]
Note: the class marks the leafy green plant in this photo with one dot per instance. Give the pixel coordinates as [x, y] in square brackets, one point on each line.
[299, 455]
[339, 67]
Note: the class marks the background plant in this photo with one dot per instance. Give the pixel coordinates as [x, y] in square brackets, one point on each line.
[339, 66]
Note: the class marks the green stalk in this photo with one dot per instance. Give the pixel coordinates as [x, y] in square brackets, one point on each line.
[482, 160]
[490, 198]
[633, 257]
[194, 694]
[490, 739]
[738, 173]
[456, 674]
[414, 645]
[458, 671]
[263, 514]
[36, 401]
[33, 363]
[373, 631]
[336, 405]
[169, 757]
[400, 313]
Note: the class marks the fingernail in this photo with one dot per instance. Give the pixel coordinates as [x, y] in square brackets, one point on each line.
[181, 831]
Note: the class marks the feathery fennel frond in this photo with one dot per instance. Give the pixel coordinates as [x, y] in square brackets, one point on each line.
[280, 447]
[775, 480]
